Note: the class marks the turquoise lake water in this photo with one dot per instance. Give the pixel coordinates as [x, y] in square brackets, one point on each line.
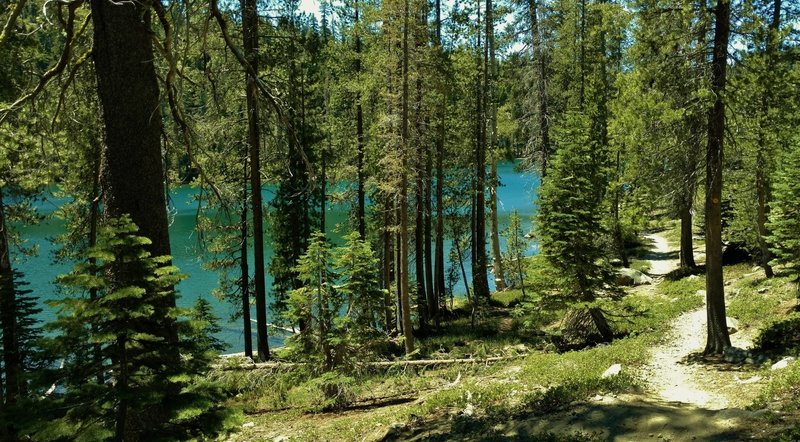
[518, 192]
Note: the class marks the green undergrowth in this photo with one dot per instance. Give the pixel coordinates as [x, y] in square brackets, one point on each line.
[464, 397]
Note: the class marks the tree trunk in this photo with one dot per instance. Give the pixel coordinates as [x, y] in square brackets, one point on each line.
[762, 179]
[602, 324]
[480, 283]
[244, 282]
[12, 360]
[718, 338]
[387, 265]
[439, 283]
[419, 191]
[430, 294]
[94, 221]
[250, 33]
[362, 226]
[408, 332]
[538, 52]
[687, 247]
[133, 175]
[490, 73]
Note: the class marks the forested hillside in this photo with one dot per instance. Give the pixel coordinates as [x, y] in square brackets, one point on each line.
[344, 162]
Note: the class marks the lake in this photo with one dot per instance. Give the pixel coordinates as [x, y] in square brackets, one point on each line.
[518, 192]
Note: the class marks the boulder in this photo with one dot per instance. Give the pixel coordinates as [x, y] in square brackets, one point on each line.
[612, 371]
[616, 262]
[783, 363]
[628, 277]
[733, 325]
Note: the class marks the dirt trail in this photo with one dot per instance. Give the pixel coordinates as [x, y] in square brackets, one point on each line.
[667, 375]
[681, 402]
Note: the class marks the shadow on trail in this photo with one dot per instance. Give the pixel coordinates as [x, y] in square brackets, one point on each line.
[610, 419]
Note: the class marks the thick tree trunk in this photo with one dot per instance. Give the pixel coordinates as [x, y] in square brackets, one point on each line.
[12, 360]
[718, 338]
[250, 33]
[132, 173]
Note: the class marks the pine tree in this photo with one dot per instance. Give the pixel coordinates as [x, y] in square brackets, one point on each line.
[569, 223]
[784, 216]
[146, 393]
[318, 302]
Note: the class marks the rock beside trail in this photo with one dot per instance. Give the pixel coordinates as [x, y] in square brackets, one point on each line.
[737, 355]
[783, 363]
[733, 325]
[629, 277]
[612, 371]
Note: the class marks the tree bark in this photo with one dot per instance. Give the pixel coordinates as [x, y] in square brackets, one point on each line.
[244, 282]
[408, 332]
[538, 53]
[419, 192]
[132, 173]
[687, 247]
[490, 72]
[480, 283]
[387, 265]
[762, 179]
[250, 34]
[12, 360]
[439, 284]
[362, 224]
[717, 339]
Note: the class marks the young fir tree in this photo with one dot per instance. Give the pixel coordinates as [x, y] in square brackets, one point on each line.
[515, 251]
[784, 217]
[569, 220]
[317, 302]
[146, 394]
[356, 263]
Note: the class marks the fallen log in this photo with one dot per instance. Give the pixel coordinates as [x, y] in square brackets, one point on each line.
[377, 364]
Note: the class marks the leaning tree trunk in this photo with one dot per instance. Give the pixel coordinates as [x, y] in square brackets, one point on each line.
[132, 174]
[718, 338]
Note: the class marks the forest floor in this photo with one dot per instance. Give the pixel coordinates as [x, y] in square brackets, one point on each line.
[665, 389]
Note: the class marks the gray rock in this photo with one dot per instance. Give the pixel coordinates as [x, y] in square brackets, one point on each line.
[733, 325]
[612, 371]
[630, 277]
[763, 290]
[783, 363]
